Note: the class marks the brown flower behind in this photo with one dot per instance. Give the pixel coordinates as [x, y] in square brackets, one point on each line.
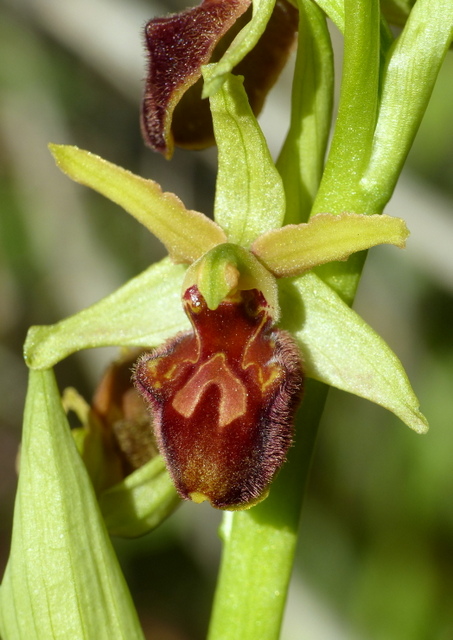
[178, 45]
[122, 412]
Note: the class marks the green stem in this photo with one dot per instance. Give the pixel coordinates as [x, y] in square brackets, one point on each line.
[357, 112]
[340, 188]
[259, 544]
[301, 160]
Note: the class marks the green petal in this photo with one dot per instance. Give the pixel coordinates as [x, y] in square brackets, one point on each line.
[343, 351]
[293, 249]
[250, 199]
[63, 579]
[186, 234]
[140, 502]
[143, 313]
[244, 42]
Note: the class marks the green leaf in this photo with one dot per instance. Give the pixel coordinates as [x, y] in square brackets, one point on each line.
[63, 579]
[142, 313]
[140, 502]
[186, 234]
[301, 161]
[412, 68]
[293, 249]
[342, 350]
[216, 74]
[250, 199]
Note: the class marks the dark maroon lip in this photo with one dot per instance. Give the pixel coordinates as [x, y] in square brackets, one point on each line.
[223, 398]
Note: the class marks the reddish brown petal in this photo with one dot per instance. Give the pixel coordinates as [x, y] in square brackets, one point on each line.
[177, 47]
[223, 399]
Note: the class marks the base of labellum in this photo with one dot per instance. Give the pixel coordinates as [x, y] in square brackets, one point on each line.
[223, 398]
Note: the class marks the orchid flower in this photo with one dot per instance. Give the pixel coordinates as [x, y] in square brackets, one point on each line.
[246, 311]
[223, 389]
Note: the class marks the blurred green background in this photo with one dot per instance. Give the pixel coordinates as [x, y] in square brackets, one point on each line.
[375, 559]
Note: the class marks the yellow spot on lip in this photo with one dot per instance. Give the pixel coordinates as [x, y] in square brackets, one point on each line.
[198, 497]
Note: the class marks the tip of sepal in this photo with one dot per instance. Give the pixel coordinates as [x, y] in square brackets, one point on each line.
[416, 421]
[362, 363]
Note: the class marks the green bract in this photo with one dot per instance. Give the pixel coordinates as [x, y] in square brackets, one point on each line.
[140, 502]
[62, 580]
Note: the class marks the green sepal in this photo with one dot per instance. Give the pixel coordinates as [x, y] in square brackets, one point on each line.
[244, 42]
[294, 249]
[228, 268]
[342, 350]
[140, 502]
[143, 313]
[250, 198]
[62, 579]
[186, 234]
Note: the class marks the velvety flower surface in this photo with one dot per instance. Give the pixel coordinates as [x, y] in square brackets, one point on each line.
[223, 398]
[178, 45]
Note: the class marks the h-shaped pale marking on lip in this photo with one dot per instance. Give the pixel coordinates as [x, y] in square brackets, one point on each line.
[233, 395]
